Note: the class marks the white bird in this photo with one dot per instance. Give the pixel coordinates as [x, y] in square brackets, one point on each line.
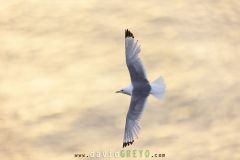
[139, 89]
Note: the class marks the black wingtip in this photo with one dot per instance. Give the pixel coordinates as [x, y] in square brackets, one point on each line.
[128, 34]
[127, 143]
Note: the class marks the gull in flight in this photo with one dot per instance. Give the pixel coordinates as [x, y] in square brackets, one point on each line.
[139, 89]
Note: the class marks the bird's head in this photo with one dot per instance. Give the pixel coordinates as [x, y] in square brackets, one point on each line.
[127, 90]
[122, 91]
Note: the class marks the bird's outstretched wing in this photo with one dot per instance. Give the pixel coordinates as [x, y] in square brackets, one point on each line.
[134, 64]
[135, 111]
[141, 89]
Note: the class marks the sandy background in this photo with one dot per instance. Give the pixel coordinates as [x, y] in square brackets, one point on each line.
[62, 60]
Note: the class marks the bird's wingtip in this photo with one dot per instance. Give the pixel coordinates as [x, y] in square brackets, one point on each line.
[125, 144]
[128, 33]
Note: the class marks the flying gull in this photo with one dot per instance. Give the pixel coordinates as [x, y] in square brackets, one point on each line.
[139, 89]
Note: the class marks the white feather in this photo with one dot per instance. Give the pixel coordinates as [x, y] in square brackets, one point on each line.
[158, 88]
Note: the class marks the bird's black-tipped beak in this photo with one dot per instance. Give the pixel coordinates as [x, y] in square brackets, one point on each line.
[118, 92]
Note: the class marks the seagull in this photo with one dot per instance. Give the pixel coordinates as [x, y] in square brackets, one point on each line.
[139, 89]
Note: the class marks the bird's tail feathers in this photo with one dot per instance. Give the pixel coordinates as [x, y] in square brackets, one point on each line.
[158, 88]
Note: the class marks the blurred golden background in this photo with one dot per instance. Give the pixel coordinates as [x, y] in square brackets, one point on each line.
[62, 60]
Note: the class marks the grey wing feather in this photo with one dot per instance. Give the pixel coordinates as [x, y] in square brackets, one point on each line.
[134, 64]
[135, 111]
